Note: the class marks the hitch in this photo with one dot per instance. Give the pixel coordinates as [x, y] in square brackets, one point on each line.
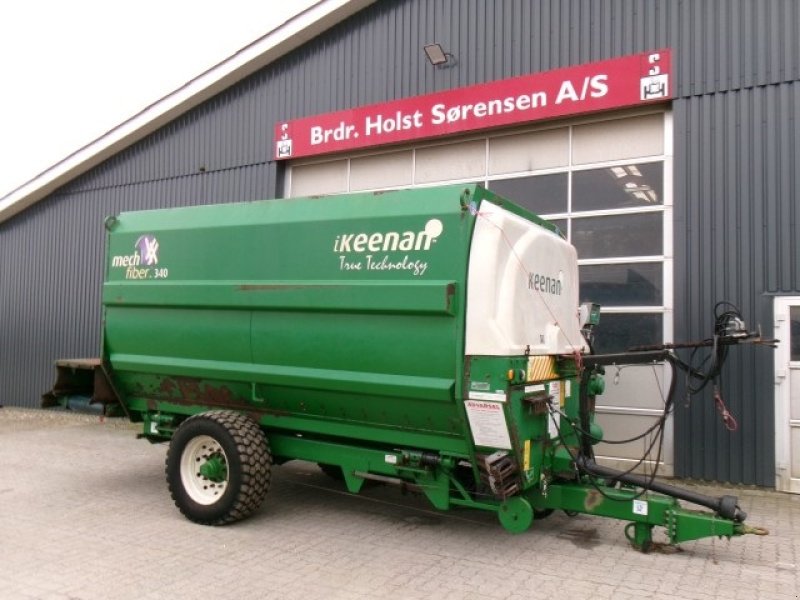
[726, 506]
[641, 499]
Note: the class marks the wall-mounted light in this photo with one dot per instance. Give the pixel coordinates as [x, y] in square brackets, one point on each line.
[438, 57]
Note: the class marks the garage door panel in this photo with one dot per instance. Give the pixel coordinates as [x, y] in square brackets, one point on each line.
[624, 426]
[635, 387]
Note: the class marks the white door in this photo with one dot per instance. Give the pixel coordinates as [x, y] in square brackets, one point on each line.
[787, 395]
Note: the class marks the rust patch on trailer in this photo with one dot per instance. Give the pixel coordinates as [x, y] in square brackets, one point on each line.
[218, 395]
[192, 390]
[593, 500]
[167, 387]
[189, 390]
[450, 294]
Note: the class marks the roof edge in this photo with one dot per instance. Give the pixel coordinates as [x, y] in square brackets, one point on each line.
[275, 44]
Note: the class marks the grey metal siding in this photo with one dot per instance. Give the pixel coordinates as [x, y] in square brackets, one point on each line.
[52, 267]
[736, 65]
[737, 203]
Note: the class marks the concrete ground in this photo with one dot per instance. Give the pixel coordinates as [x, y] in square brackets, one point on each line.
[85, 513]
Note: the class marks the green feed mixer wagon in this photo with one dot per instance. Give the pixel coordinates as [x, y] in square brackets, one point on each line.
[428, 337]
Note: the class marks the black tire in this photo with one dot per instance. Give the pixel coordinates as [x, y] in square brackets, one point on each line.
[235, 458]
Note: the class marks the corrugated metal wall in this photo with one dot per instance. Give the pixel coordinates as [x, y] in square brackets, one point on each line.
[737, 207]
[737, 64]
[52, 266]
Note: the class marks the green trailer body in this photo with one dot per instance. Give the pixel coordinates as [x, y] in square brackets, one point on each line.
[333, 316]
[428, 336]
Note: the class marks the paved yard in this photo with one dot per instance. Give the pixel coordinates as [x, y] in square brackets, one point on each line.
[86, 514]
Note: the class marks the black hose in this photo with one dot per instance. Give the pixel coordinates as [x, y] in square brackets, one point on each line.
[725, 506]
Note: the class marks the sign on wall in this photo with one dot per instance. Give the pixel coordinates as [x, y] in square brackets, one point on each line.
[616, 83]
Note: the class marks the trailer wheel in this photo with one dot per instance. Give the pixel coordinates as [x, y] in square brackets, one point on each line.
[218, 467]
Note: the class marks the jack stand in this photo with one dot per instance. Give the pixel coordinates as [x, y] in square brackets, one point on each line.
[640, 535]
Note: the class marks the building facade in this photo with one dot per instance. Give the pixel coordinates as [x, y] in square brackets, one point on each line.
[674, 204]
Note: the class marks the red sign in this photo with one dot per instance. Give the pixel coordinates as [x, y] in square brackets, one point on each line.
[615, 83]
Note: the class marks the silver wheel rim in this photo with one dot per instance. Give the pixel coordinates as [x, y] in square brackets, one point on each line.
[198, 451]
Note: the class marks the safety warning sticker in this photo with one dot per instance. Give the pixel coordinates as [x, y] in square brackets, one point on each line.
[488, 424]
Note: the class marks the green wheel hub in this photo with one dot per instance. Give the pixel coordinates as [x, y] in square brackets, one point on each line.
[214, 469]
[204, 470]
[516, 514]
